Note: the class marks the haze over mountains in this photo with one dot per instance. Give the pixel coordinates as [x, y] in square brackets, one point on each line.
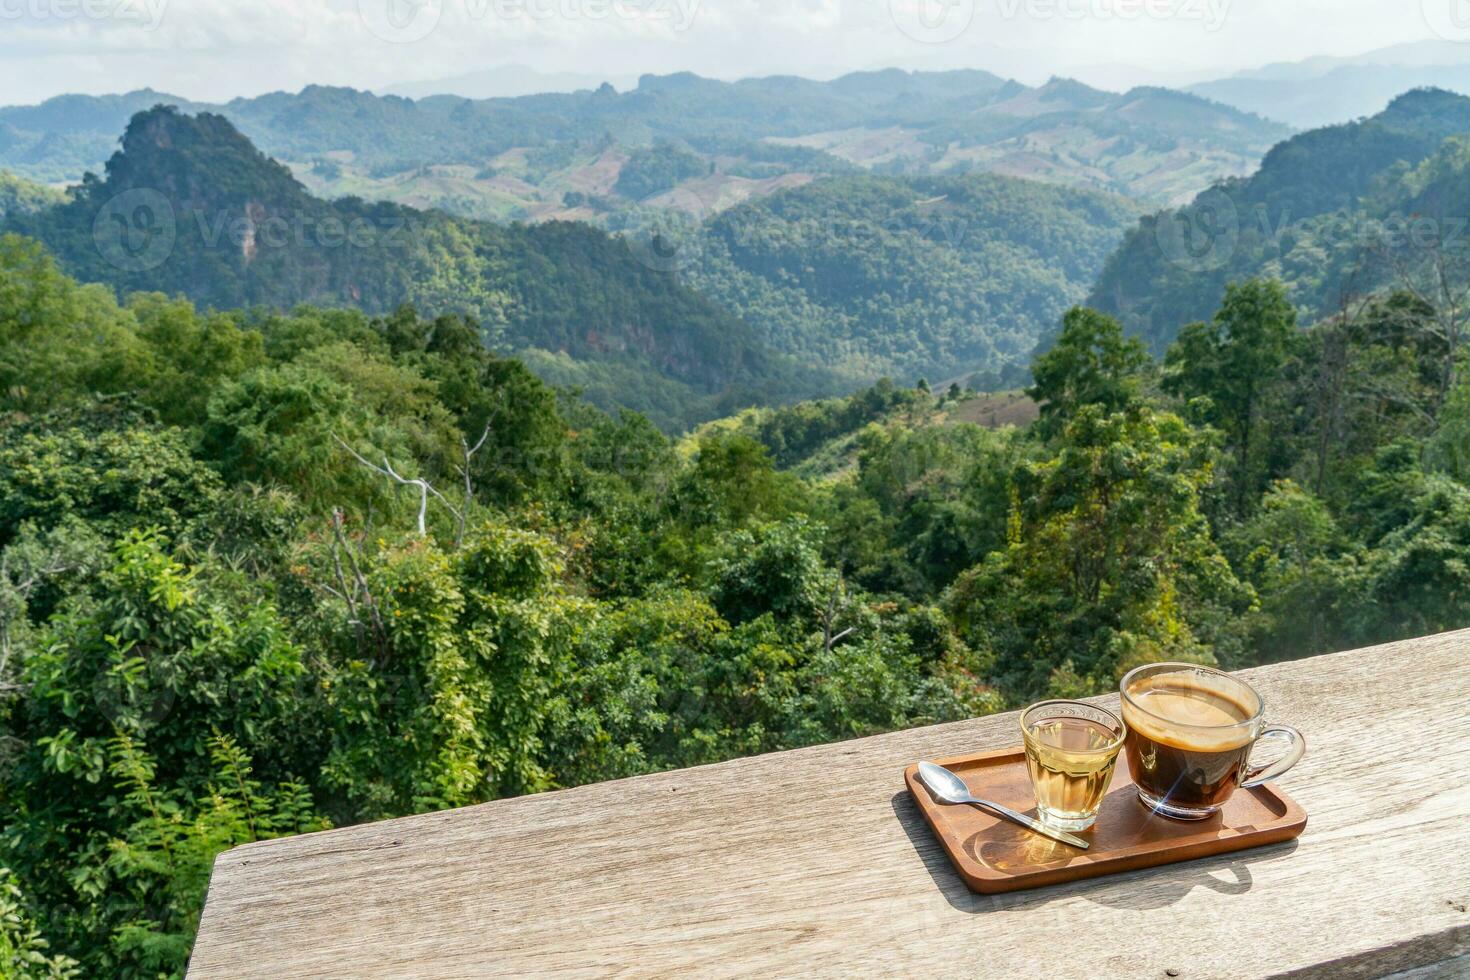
[519, 158]
[1325, 90]
[1335, 213]
[506, 81]
[692, 246]
[817, 290]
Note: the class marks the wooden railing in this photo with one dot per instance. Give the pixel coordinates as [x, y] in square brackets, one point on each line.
[816, 862]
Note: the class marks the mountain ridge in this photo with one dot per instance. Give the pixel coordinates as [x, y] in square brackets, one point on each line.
[1173, 268]
[357, 140]
[190, 206]
[1326, 90]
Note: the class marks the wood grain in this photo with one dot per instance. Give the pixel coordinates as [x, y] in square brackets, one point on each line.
[816, 862]
[992, 855]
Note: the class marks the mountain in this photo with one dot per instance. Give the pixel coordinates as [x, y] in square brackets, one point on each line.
[909, 276]
[559, 155]
[64, 136]
[19, 196]
[1324, 90]
[1317, 212]
[505, 81]
[189, 206]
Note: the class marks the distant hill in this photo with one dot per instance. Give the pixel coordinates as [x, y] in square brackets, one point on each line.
[909, 276]
[1322, 91]
[1313, 215]
[20, 197]
[559, 155]
[189, 206]
[505, 81]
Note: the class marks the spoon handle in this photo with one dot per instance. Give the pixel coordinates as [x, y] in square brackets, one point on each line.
[1026, 821]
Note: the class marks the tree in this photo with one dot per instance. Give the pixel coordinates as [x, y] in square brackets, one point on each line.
[1091, 363]
[60, 341]
[1300, 563]
[1110, 561]
[1449, 450]
[1235, 360]
[72, 466]
[117, 801]
[772, 569]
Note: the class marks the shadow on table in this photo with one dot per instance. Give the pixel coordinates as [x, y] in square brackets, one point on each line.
[1151, 888]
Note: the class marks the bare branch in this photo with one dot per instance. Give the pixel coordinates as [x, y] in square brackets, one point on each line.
[423, 486]
[469, 487]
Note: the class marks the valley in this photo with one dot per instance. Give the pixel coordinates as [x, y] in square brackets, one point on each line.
[366, 457]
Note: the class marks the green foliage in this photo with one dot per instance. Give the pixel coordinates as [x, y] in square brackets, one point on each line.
[1110, 562]
[1335, 213]
[142, 691]
[1234, 361]
[20, 196]
[773, 570]
[23, 950]
[1089, 364]
[1450, 448]
[1296, 556]
[654, 169]
[907, 277]
[265, 571]
[162, 859]
[114, 478]
[58, 338]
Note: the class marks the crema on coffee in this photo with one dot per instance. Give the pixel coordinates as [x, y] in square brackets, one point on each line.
[1189, 737]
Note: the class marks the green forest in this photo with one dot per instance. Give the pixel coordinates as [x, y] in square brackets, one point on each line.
[908, 277]
[1151, 143]
[187, 206]
[1330, 213]
[813, 291]
[267, 572]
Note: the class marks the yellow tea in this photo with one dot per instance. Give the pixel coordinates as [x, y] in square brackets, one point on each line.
[1071, 752]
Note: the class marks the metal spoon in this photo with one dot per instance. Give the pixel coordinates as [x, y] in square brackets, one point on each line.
[950, 788]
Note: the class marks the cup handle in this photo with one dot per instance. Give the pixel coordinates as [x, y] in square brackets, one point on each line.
[1296, 748]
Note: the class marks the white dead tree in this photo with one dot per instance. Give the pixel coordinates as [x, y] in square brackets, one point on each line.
[352, 589]
[464, 471]
[1436, 273]
[424, 487]
[835, 602]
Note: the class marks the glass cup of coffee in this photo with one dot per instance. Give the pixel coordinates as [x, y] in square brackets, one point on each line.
[1071, 752]
[1191, 730]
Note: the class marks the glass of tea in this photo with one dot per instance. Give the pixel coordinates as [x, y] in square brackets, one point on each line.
[1191, 730]
[1071, 752]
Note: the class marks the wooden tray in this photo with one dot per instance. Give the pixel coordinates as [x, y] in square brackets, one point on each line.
[994, 855]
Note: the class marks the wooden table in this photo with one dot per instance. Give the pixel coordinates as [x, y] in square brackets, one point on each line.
[738, 869]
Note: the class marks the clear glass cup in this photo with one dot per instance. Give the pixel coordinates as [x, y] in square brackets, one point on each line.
[1071, 752]
[1191, 730]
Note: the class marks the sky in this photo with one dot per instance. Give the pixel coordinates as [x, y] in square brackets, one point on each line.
[213, 50]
